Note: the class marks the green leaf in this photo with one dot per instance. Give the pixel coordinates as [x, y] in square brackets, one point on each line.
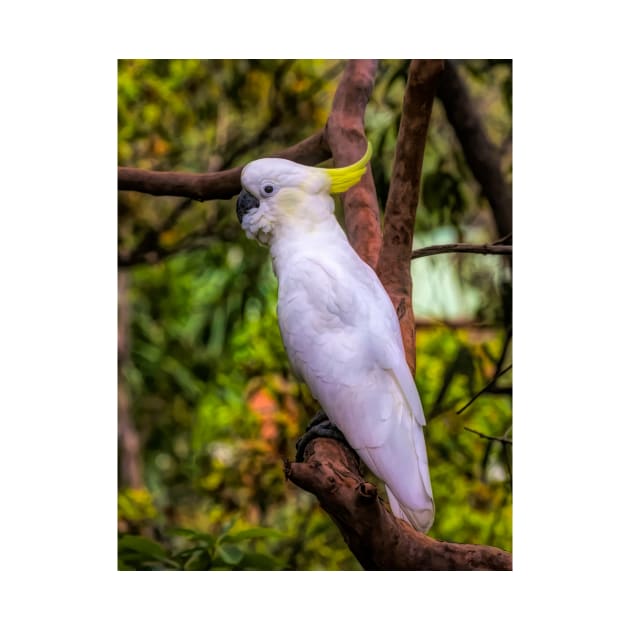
[207, 539]
[182, 531]
[198, 561]
[184, 554]
[123, 566]
[259, 561]
[226, 528]
[254, 532]
[141, 545]
[230, 554]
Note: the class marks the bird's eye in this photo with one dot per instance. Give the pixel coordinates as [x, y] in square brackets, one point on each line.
[267, 190]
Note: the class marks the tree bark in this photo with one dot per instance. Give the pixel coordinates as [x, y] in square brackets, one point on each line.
[462, 248]
[482, 156]
[221, 185]
[345, 136]
[330, 470]
[379, 540]
[400, 211]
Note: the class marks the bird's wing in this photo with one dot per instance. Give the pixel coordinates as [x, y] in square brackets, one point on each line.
[343, 338]
[387, 345]
[318, 315]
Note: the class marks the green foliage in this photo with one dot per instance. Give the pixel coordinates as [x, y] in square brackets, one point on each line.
[190, 550]
[213, 401]
[471, 476]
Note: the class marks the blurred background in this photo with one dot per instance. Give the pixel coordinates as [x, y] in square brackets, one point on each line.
[208, 406]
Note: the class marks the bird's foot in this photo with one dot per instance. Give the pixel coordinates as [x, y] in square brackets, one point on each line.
[319, 426]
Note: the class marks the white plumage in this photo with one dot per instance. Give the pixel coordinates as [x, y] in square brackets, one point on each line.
[340, 329]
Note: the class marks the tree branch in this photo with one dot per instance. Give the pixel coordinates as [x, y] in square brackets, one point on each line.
[394, 263]
[503, 239]
[221, 185]
[345, 136]
[330, 470]
[486, 388]
[492, 438]
[454, 324]
[378, 539]
[462, 248]
[482, 156]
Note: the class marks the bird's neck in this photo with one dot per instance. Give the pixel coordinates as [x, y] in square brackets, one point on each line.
[301, 240]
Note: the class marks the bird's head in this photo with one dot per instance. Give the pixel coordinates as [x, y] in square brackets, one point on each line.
[278, 193]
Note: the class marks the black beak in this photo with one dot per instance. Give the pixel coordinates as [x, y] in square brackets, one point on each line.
[244, 203]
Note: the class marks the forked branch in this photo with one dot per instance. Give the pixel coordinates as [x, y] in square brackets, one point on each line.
[330, 470]
[375, 536]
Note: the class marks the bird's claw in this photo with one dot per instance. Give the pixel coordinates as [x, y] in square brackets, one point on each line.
[319, 426]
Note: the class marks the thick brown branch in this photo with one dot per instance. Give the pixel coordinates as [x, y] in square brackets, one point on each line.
[345, 136]
[482, 156]
[402, 201]
[378, 539]
[462, 248]
[221, 185]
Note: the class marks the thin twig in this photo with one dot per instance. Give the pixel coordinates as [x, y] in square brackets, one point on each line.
[149, 247]
[502, 440]
[462, 248]
[504, 349]
[506, 456]
[507, 237]
[488, 386]
[237, 150]
[454, 324]
[496, 389]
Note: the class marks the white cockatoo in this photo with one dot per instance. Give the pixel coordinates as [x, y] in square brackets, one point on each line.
[339, 327]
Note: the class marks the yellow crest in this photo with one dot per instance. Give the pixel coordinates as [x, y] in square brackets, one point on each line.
[347, 176]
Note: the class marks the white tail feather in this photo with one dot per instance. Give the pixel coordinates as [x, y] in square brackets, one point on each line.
[418, 519]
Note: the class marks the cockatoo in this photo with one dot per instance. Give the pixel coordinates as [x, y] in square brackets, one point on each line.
[338, 325]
